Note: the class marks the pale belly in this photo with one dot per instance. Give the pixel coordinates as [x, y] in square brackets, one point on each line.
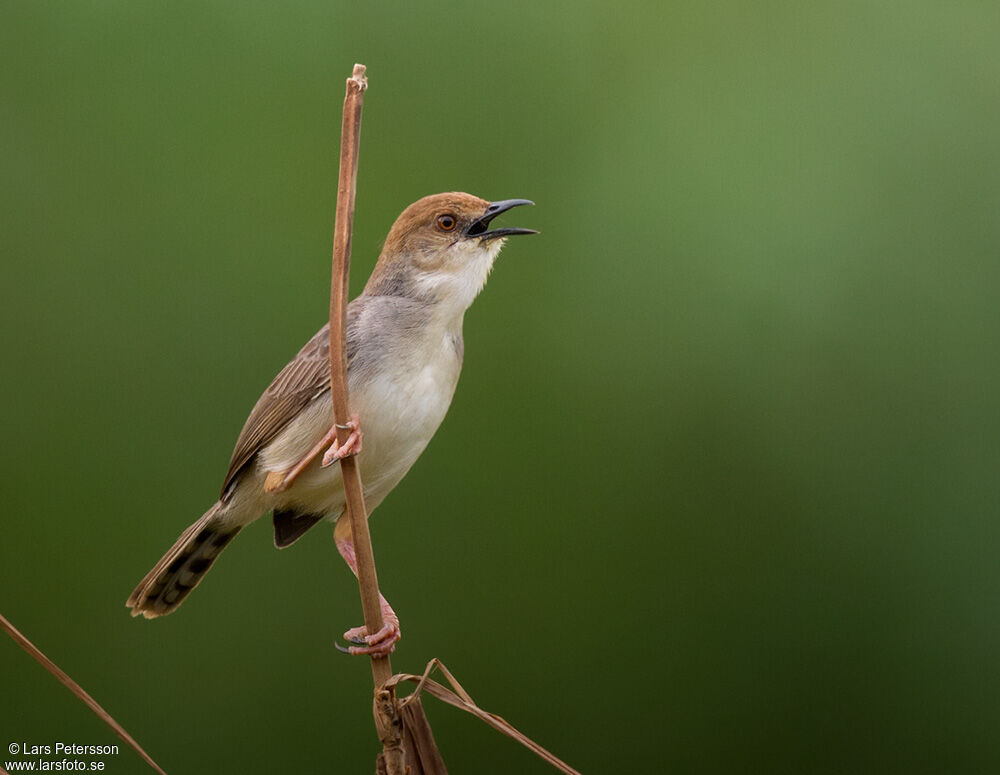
[399, 411]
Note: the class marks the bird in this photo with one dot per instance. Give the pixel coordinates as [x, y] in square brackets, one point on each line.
[404, 352]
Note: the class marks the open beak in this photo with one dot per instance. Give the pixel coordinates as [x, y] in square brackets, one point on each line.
[478, 228]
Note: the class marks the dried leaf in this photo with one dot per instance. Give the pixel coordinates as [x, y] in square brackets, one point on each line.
[462, 700]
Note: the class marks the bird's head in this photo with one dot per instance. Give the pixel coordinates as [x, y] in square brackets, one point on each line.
[441, 248]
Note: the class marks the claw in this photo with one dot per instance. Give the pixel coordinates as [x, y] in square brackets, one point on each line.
[361, 648]
[371, 651]
[382, 642]
[352, 446]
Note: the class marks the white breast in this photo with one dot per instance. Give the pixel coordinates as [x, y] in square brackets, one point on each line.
[400, 405]
[406, 403]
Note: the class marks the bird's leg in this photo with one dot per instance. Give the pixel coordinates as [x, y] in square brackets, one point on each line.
[350, 447]
[279, 481]
[382, 642]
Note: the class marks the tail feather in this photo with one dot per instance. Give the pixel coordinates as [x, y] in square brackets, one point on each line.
[180, 570]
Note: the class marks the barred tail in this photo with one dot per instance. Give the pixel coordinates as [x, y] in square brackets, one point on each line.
[181, 569]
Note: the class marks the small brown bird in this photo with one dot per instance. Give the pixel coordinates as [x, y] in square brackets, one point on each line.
[404, 355]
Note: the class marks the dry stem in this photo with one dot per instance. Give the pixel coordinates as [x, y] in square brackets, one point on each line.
[387, 720]
[78, 690]
[349, 145]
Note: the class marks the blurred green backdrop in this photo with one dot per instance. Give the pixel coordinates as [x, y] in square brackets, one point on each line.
[719, 488]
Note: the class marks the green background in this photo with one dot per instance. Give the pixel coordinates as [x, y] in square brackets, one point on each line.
[719, 488]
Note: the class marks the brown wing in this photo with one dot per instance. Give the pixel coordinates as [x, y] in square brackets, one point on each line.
[305, 378]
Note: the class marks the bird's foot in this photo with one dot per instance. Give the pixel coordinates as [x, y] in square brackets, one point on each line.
[350, 447]
[382, 643]
[279, 481]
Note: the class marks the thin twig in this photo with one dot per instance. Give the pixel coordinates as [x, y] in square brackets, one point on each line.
[347, 187]
[387, 719]
[74, 687]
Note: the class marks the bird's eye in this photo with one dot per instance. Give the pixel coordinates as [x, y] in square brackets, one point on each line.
[446, 222]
